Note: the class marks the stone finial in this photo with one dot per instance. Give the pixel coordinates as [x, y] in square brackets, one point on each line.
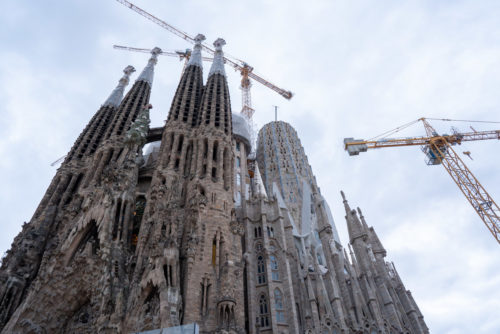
[360, 213]
[199, 39]
[195, 58]
[129, 70]
[218, 64]
[346, 204]
[116, 96]
[148, 72]
[219, 43]
[343, 195]
[155, 52]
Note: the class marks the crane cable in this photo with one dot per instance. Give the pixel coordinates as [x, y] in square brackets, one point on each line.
[390, 132]
[404, 126]
[459, 120]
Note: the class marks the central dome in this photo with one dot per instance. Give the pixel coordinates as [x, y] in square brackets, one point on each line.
[241, 129]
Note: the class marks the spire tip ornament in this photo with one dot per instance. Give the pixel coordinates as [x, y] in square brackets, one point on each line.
[218, 63]
[199, 38]
[116, 96]
[148, 72]
[219, 43]
[129, 70]
[195, 58]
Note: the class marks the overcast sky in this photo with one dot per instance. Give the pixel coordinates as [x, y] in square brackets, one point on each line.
[357, 68]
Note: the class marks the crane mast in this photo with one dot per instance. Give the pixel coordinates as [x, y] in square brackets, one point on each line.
[439, 150]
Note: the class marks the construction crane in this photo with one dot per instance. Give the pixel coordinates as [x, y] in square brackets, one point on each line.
[438, 149]
[182, 55]
[244, 68]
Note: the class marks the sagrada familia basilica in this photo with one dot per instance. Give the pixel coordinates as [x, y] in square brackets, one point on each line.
[155, 229]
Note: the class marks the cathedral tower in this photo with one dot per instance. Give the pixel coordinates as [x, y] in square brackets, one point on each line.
[85, 226]
[188, 259]
[197, 229]
[214, 252]
[20, 267]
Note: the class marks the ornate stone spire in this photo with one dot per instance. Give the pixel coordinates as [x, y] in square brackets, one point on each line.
[260, 190]
[354, 226]
[138, 131]
[377, 246]
[218, 64]
[117, 94]
[196, 54]
[346, 204]
[363, 221]
[186, 103]
[215, 107]
[148, 71]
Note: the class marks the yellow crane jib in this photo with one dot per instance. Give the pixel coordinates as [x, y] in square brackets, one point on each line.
[438, 150]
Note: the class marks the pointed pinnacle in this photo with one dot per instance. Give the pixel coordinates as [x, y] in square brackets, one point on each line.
[362, 219]
[343, 195]
[218, 62]
[360, 213]
[195, 58]
[116, 95]
[148, 71]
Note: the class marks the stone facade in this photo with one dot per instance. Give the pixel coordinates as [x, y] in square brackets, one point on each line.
[197, 229]
[296, 265]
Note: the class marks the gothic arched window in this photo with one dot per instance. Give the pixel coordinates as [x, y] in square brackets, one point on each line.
[274, 268]
[270, 232]
[258, 232]
[278, 305]
[261, 270]
[264, 311]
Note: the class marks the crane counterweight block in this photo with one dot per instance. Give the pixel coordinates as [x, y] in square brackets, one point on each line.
[354, 149]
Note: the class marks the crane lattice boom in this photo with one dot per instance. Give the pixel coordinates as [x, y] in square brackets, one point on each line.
[438, 149]
[475, 193]
[458, 138]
